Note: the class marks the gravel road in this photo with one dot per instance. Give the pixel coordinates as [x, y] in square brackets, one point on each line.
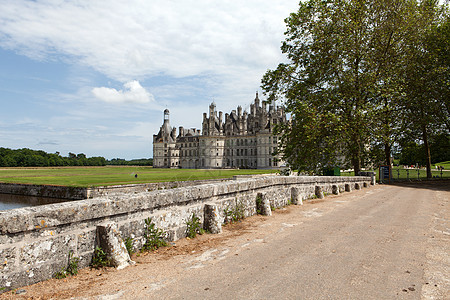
[385, 242]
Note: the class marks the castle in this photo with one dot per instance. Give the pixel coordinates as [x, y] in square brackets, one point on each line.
[243, 140]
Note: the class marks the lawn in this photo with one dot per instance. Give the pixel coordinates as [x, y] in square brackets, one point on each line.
[109, 175]
[399, 173]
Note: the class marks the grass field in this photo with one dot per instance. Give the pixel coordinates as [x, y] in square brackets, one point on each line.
[104, 176]
[399, 173]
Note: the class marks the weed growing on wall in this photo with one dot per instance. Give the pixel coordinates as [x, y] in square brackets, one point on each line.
[100, 258]
[129, 245]
[71, 269]
[194, 226]
[234, 213]
[154, 237]
[258, 204]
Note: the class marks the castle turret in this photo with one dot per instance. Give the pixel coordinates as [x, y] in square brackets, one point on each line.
[181, 129]
[256, 103]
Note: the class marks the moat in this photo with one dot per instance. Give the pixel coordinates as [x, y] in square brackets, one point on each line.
[8, 201]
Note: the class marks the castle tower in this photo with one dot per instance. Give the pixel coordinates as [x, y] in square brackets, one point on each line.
[165, 154]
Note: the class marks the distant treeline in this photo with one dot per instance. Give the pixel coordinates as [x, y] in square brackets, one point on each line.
[38, 158]
[133, 162]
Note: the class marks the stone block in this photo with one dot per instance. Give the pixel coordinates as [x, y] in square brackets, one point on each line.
[86, 241]
[111, 242]
[263, 204]
[212, 219]
[348, 187]
[7, 259]
[45, 251]
[335, 189]
[319, 192]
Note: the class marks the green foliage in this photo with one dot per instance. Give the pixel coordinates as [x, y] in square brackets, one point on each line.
[258, 203]
[234, 213]
[194, 227]
[129, 245]
[38, 158]
[100, 258]
[70, 269]
[357, 74]
[154, 237]
[133, 162]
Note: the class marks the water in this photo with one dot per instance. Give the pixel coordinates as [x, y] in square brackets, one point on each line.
[8, 201]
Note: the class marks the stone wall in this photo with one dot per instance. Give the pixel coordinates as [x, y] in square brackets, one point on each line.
[35, 241]
[80, 193]
[49, 191]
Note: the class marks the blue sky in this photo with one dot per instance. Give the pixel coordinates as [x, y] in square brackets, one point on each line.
[94, 77]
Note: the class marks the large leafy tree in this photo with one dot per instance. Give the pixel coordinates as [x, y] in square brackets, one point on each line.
[342, 78]
[427, 76]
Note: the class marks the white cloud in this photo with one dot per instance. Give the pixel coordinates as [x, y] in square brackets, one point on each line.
[133, 93]
[187, 53]
[139, 39]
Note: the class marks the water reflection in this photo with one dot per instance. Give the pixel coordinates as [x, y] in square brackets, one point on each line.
[8, 201]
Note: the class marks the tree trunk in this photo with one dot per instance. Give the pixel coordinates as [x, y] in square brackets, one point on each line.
[427, 150]
[387, 154]
[356, 162]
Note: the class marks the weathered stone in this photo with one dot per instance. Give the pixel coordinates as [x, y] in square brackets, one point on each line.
[335, 189]
[319, 192]
[296, 198]
[7, 259]
[373, 179]
[86, 241]
[44, 251]
[348, 187]
[111, 242]
[263, 204]
[213, 221]
[42, 236]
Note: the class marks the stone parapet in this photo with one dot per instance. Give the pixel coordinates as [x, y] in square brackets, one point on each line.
[35, 242]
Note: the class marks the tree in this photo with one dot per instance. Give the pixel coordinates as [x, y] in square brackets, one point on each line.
[352, 63]
[427, 77]
[339, 52]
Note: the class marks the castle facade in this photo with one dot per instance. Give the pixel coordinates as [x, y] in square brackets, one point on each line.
[242, 140]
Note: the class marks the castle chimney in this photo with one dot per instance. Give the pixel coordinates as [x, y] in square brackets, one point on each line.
[181, 128]
[174, 132]
[256, 101]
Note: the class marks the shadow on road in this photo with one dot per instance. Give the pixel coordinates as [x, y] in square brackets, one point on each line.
[435, 185]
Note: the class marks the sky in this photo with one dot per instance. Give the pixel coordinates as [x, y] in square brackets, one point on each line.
[94, 77]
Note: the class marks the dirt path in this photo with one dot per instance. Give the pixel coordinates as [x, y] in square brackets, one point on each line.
[386, 242]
